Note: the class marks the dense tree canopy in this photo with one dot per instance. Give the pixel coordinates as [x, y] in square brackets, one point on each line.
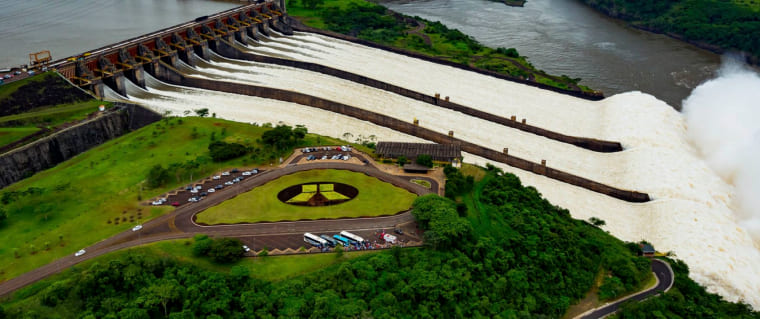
[521, 258]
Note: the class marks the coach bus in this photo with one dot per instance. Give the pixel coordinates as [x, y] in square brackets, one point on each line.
[314, 240]
[352, 237]
[331, 242]
[343, 240]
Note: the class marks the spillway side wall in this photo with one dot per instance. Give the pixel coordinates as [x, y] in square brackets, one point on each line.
[227, 50]
[400, 126]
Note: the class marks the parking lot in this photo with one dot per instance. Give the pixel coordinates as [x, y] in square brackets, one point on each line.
[198, 191]
[295, 241]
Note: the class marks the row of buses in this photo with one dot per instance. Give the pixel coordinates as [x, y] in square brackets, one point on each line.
[344, 238]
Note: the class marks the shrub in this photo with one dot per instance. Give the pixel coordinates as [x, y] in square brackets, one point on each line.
[221, 151]
[425, 160]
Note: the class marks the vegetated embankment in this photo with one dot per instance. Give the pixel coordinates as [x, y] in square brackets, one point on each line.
[50, 151]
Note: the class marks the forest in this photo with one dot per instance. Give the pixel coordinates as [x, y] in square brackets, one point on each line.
[512, 254]
[729, 25]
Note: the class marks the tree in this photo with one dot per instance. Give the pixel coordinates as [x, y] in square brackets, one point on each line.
[425, 160]
[157, 176]
[226, 250]
[163, 292]
[312, 4]
[280, 137]
[222, 151]
[201, 112]
[401, 160]
[596, 222]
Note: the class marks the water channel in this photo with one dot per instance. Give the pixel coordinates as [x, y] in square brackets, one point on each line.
[567, 37]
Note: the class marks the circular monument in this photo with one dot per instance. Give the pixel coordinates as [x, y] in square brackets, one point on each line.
[317, 194]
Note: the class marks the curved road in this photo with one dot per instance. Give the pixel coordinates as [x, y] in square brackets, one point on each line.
[664, 275]
[179, 223]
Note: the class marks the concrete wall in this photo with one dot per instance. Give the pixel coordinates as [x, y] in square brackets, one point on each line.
[227, 50]
[57, 148]
[401, 126]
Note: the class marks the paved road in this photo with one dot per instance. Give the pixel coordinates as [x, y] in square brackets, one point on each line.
[665, 279]
[179, 223]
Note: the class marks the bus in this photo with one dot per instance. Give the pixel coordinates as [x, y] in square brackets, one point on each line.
[314, 240]
[343, 240]
[352, 237]
[331, 242]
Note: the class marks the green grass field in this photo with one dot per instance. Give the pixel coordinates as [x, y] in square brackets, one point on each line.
[11, 134]
[334, 195]
[375, 198]
[300, 198]
[77, 198]
[63, 209]
[52, 116]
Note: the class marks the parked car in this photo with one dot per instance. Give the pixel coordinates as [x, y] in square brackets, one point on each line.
[80, 253]
[398, 231]
[175, 204]
[192, 199]
[346, 157]
[246, 174]
[220, 186]
[311, 158]
[198, 187]
[216, 177]
[234, 170]
[225, 173]
[188, 188]
[194, 190]
[324, 157]
[255, 171]
[245, 247]
[204, 194]
[136, 228]
[211, 190]
[228, 183]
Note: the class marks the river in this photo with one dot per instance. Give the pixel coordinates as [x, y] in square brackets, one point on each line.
[559, 36]
[567, 37]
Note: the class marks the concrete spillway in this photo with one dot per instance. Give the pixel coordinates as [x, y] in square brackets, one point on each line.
[691, 215]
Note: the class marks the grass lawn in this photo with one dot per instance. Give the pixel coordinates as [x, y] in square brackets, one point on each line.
[56, 115]
[421, 182]
[11, 134]
[375, 198]
[58, 211]
[333, 195]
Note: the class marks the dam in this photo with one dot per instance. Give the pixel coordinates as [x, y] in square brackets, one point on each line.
[251, 64]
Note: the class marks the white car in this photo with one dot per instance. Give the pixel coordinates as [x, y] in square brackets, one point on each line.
[228, 183]
[225, 173]
[79, 253]
[216, 177]
[192, 199]
[156, 203]
[246, 173]
[346, 157]
[136, 228]
[245, 247]
[211, 190]
[194, 190]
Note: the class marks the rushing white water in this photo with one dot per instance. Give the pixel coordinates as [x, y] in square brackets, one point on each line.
[691, 216]
[724, 122]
